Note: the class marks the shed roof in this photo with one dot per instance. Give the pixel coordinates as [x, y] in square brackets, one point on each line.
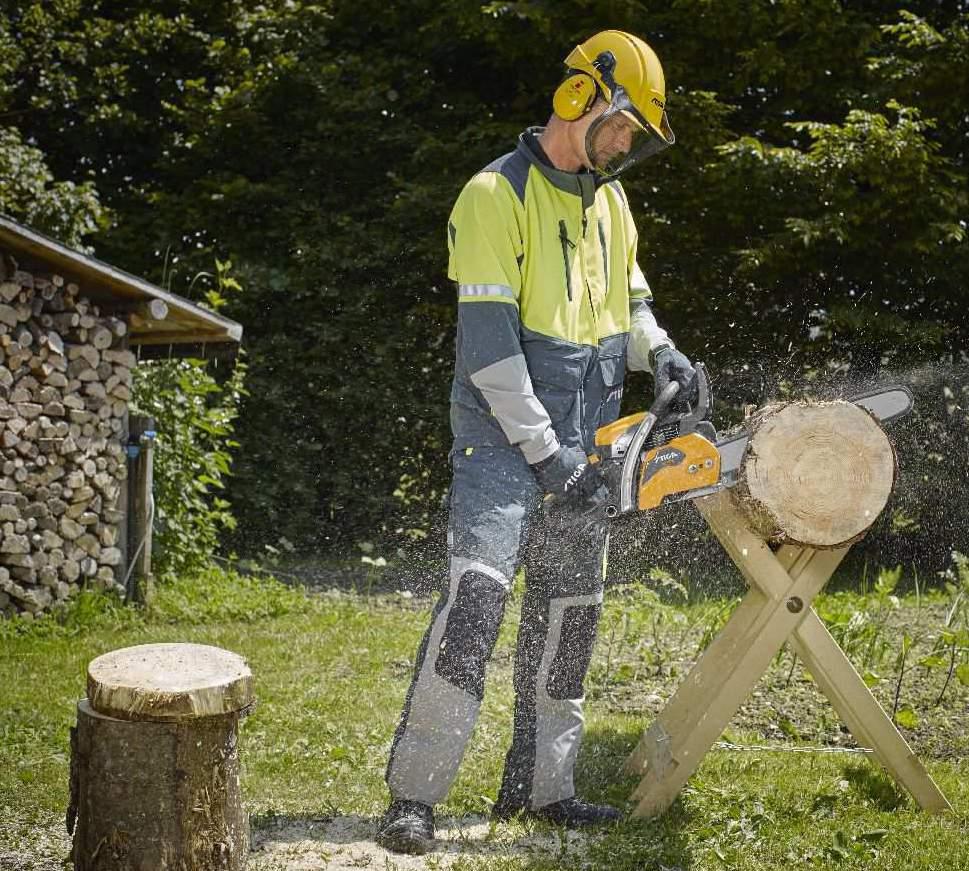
[187, 330]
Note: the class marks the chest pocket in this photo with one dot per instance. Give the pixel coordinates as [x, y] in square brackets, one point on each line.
[585, 260]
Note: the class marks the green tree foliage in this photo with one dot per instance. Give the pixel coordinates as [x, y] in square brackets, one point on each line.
[29, 193]
[810, 220]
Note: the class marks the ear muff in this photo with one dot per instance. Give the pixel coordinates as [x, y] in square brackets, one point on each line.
[575, 96]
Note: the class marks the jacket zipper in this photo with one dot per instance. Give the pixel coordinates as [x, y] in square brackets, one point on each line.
[605, 258]
[566, 244]
[588, 290]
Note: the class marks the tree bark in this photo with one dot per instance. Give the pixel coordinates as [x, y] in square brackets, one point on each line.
[152, 796]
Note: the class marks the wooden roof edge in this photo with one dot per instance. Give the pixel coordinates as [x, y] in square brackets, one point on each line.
[195, 350]
[167, 337]
[34, 243]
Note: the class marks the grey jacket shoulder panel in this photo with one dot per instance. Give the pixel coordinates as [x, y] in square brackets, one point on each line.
[514, 167]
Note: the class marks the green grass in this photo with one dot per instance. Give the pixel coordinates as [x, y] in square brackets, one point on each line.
[331, 671]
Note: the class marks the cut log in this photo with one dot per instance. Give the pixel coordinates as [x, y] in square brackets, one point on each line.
[147, 314]
[815, 474]
[101, 337]
[154, 761]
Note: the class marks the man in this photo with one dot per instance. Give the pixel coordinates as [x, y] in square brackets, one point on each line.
[552, 308]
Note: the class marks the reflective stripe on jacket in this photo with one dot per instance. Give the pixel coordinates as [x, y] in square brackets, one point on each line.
[552, 305]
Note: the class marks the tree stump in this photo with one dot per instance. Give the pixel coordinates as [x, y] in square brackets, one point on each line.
[815, 474]
[154, 761]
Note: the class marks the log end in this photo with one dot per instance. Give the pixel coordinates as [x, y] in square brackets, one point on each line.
[816, 474]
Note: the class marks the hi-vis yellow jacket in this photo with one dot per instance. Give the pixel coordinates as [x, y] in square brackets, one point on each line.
[551, 304]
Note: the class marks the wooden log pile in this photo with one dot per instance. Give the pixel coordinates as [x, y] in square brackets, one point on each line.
[65, 382]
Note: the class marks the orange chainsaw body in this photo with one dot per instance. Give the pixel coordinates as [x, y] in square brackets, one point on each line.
[686, 462]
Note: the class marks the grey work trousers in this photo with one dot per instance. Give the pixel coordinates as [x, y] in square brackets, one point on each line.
[496, 522]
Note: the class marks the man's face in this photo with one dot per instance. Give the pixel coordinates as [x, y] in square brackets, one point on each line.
[577, 132]
[610, 140]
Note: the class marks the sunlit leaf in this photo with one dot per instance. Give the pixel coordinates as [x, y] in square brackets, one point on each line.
[906, 717]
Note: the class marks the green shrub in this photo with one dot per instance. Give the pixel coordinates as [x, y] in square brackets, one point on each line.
[194, 414]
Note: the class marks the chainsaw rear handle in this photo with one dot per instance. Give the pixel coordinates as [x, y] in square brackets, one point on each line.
[656, 411]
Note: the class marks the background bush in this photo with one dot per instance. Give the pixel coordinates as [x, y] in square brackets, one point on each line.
[807, 233]
[195, 407]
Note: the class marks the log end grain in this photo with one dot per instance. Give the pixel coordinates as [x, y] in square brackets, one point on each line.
[169, 682]
[816, 474]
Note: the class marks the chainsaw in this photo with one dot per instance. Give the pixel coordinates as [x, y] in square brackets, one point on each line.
[662, 456]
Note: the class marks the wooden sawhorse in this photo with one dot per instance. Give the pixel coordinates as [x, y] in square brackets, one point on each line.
[777, 609]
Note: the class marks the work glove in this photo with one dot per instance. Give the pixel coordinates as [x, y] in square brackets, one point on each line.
[671, 365]
[574, 483]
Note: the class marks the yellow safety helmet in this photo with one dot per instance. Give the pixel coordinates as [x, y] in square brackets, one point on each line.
[626, 72]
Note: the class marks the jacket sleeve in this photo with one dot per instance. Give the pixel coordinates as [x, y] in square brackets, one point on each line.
[646, 336]
[485, 249]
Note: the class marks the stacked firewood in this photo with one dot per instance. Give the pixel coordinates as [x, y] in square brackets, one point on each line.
[65, 383]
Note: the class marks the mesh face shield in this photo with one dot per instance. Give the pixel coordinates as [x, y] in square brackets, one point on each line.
[620, 137]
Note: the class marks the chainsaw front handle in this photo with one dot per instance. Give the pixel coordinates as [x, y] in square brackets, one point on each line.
[656, 411]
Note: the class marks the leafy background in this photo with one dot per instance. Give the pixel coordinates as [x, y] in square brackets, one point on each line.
[806, 234]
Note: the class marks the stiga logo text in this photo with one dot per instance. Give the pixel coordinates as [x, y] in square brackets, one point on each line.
[579, 469]
[665, 458]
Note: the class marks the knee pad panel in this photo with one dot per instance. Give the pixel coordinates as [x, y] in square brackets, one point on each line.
[471, 632]
[578, 634]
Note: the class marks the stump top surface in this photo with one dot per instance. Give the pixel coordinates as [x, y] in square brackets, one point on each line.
[169, 682]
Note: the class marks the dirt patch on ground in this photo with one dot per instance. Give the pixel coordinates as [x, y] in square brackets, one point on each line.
[346, 842]
[34, 842]
[286, 843]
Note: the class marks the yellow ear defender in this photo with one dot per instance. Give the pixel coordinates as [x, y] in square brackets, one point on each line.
[575, 96]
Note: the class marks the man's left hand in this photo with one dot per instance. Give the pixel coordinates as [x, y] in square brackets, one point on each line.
[672, 365]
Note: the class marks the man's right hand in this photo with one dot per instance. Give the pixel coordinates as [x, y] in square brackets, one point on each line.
[572, 480]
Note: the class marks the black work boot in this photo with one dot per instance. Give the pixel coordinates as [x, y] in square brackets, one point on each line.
[407, 827]
[573, 813]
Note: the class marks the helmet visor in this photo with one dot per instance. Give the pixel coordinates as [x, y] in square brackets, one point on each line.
[620, 137]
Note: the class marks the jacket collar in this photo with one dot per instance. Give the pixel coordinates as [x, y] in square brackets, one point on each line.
[581, 184]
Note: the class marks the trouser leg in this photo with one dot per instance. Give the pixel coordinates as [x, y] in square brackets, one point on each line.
[564, 577]
[493, 493]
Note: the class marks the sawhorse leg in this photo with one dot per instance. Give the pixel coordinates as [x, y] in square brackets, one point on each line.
[777, 608]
